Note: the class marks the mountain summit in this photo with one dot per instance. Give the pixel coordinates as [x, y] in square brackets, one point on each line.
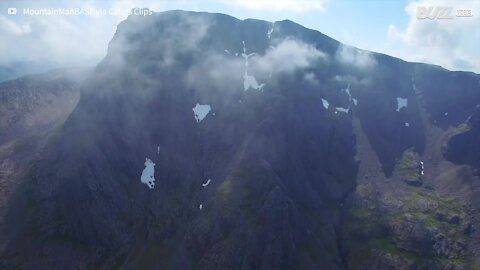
[206, 142]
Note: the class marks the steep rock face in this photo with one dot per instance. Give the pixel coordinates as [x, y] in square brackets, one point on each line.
[252, 129]
[463, 148]
[423, 215]
[278, 160]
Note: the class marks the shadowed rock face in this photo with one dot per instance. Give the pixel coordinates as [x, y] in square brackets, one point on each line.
[280, 163]
[464, 147]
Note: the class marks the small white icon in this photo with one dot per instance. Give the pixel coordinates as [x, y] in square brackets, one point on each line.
[11, 11]
[464, 12]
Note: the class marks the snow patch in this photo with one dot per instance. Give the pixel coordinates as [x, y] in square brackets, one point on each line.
[207, 183]
[249, 81]
[407, 124]
[148, 174]
[270, 31]
[200, 207]
[401, 103]
[347, 90]
[201, 111]
[227, 51]
[340, 109]
[445, 114]
[325, 103]
[350, 99]
[415, 89]
[468, 118]
[158, 149]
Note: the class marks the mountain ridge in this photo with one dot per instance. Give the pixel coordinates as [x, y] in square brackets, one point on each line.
[284, 165]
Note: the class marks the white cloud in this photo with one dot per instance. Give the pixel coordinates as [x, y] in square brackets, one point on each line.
[62, 40]
[311, 79]
[352, 79]
[280, 5]
[221, 70]
[352, 56]
[9, 27]
[288, 56]
[451, 43]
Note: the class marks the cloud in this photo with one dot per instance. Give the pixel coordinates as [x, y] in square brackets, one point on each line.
[311, 79]
[352, 56]
[162, 39]
[288, 56]
[350, 79]
[451, 43]
[297, 6]
[63, 40]
[221, 70]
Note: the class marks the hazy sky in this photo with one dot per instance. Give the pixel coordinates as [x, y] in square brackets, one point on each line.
[389, 27]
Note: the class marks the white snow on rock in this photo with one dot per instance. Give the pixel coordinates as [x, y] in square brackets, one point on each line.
[270, 31]
[207, 183]
[249, 81]
[201, 111]
[347, 90]
[350, 98]
[200, 207]
[325, 103]
[158, 149]
[401, 103]
[445, 114]
[340, 109]
[415, 89]
[245, 55]
[468, 118]
[148, 174]
[227, 51]
[407, 124]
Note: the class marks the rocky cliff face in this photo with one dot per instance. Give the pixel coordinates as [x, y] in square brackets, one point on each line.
[206, 142]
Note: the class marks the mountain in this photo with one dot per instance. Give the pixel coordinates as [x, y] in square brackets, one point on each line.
[18, 69]
[206, 142]
[31, 110]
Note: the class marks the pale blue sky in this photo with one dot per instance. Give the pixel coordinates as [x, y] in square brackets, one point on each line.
[386, 26]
